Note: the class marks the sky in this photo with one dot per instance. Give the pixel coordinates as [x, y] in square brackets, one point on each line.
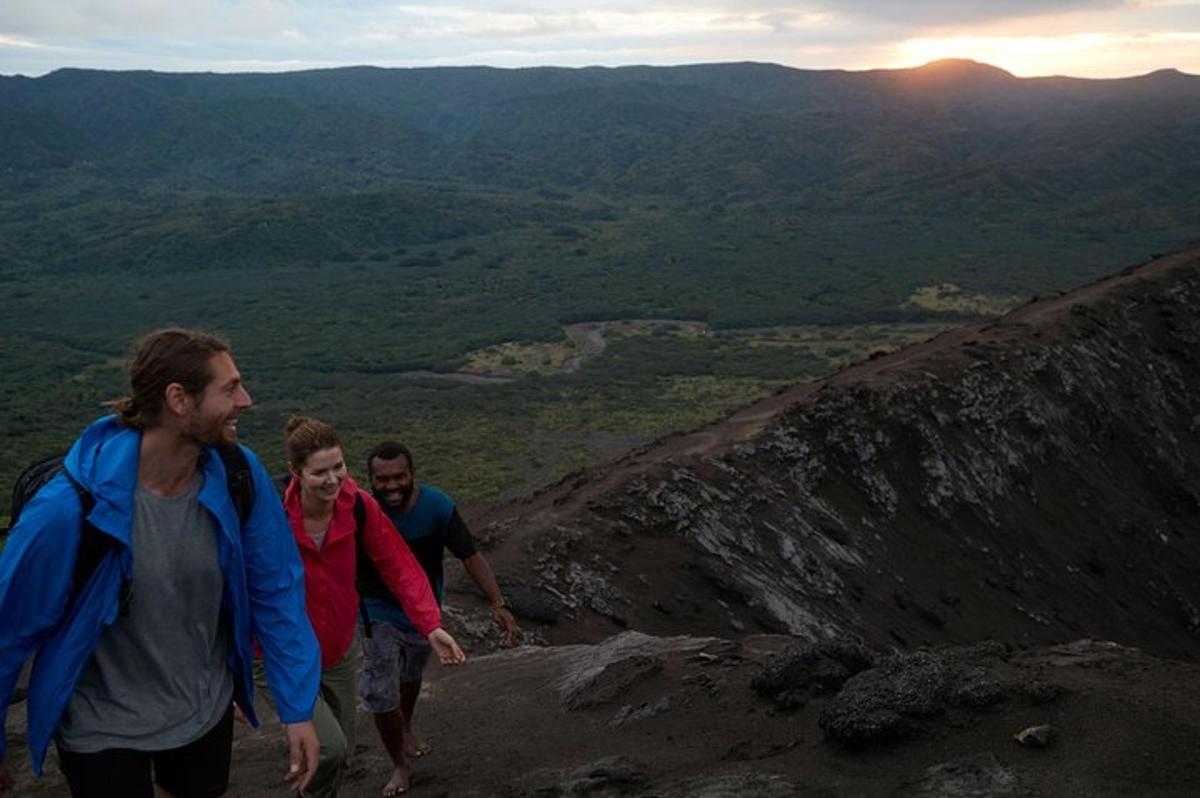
[1080, 38]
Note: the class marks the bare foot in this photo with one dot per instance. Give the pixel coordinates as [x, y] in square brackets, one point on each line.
[397, 784]
[416, 747]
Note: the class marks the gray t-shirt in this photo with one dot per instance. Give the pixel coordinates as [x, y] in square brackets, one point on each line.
[158, 678]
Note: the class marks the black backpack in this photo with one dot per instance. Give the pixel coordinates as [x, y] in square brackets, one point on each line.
[94, 544]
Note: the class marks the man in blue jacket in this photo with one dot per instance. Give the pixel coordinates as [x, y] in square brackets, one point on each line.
[137, 675]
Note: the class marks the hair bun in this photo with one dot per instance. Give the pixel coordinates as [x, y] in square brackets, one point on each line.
[294, 423]
[303, 435]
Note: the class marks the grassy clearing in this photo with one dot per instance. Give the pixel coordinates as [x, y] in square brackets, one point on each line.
[579, 344]
[951, 298]
[520, 358]
[835, 346]
[839, 346]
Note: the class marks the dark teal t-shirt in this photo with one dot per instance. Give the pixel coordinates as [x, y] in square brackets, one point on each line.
[429, 527]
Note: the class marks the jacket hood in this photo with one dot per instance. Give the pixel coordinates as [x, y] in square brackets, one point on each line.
[104, 461]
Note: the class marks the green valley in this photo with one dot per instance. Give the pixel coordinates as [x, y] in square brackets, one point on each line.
[360, 234]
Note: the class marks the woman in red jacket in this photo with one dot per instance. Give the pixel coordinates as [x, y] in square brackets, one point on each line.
[325, 509]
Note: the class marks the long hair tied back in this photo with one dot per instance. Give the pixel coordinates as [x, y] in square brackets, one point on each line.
[161, 358]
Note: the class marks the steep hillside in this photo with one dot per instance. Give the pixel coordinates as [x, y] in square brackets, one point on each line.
[1027, 481]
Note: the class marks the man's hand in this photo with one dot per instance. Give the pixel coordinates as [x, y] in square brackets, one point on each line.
[303, 749]
[7, 782]
[447, 650]
[481, 573]
[507, 624]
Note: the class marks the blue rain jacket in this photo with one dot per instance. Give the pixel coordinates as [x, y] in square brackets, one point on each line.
[263, 597]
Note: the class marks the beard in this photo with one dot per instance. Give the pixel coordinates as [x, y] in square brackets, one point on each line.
[212, 431]
[385, 497]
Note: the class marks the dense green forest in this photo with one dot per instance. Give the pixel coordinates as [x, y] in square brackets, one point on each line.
[362, 234]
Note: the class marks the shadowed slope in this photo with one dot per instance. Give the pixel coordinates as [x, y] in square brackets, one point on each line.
[1031, 480]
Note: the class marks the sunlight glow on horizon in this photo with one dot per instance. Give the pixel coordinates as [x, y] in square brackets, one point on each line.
[1093, 55]
[1020, 55]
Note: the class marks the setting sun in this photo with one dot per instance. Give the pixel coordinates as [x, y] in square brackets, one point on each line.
[1093, 54]
[1021, 55]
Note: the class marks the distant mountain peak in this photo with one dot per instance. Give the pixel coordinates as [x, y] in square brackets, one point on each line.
[1168, 74]
[960, 68]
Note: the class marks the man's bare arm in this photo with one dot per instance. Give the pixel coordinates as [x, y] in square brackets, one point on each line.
[480, 571]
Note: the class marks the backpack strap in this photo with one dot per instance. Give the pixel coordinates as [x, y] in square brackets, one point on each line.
[360, 522]
[360, 515]
[239, 480]
[93, 544]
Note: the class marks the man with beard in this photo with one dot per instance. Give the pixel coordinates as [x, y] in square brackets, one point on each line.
[395, 654]
[140, 666]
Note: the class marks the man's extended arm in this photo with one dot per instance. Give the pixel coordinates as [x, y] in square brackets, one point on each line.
[478, 568]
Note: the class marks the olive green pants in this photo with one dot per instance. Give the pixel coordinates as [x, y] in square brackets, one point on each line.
[333, 716]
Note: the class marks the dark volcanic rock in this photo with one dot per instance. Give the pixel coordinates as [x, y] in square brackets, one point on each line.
[612, 681]
[1036, 736]
[790, 678]
[1040, 693]
[899, 696]
[610, 776]
[745, 785]
[978, 776]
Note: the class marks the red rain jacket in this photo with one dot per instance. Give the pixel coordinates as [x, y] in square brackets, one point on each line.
[329, 592]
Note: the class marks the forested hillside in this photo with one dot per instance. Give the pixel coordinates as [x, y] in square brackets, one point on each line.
[353, 229]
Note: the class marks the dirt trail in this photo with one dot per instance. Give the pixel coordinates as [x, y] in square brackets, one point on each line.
[589, 339]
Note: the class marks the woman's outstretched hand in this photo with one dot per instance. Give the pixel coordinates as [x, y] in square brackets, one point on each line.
[448, 652]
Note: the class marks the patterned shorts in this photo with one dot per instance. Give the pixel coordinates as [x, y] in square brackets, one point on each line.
[391, 657]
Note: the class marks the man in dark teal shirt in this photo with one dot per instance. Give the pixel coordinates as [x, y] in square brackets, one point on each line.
[395, 654]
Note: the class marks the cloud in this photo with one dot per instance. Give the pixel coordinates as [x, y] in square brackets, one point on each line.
[956, 12]
[635, 24]
[229, 35]
[133, 19]
[18, 41]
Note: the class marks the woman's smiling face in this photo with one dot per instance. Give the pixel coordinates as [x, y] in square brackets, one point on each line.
[323, 472]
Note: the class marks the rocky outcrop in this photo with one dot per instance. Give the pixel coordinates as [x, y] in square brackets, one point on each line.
[1030, 480]
[905, 692]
